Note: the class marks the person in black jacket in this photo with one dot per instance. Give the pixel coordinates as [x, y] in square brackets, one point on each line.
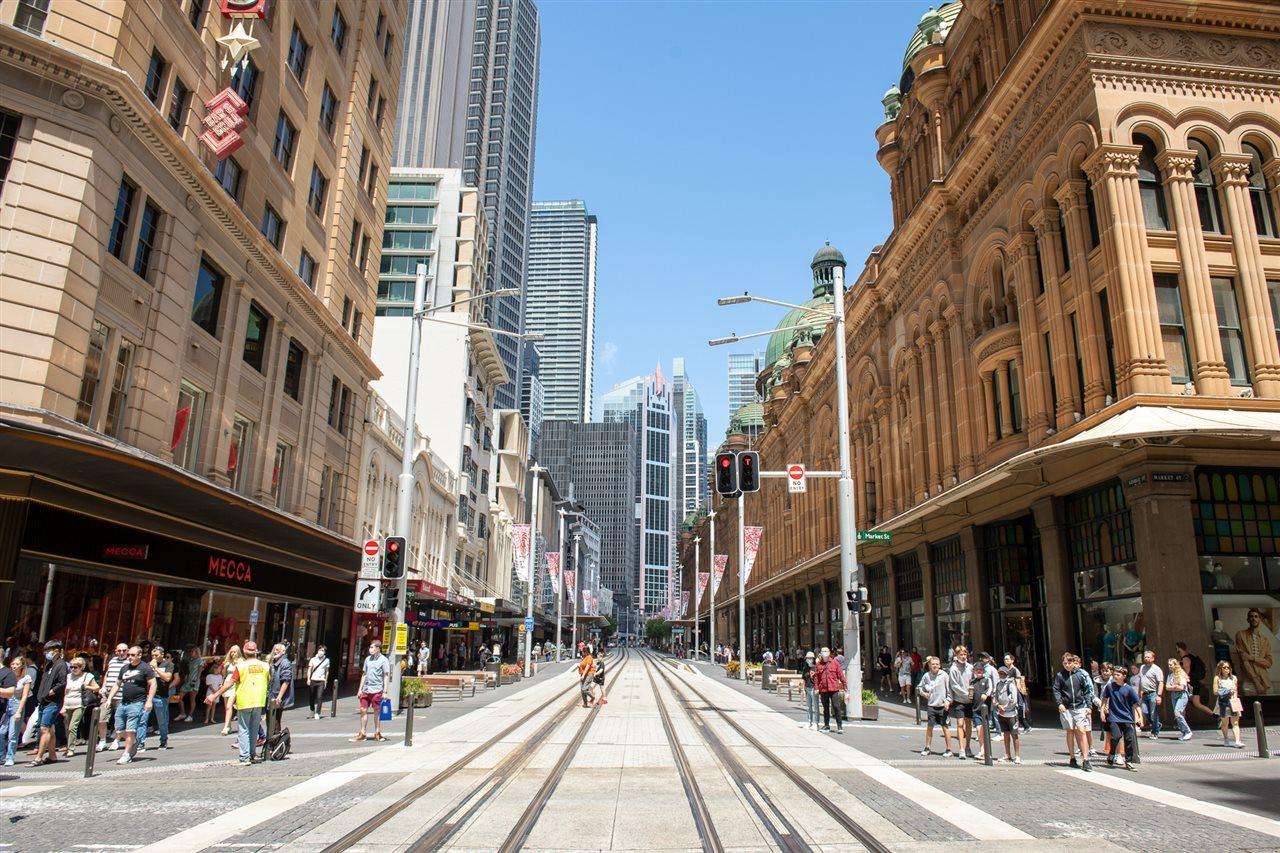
[53, 684]
[1073, 691]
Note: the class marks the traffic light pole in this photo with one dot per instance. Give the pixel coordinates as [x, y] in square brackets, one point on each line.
[404, 494]
[848, 533]
[697, 570]
[536, 472]
[711, 581]
[742, 589]
[560, 583]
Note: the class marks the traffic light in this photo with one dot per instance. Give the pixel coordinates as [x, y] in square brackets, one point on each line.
[858, 600]
[390, 599]
[726, 473]
[749, 471]
[393, 558]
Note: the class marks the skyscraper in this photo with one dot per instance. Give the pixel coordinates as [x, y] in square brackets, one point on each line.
[645, 403]
[599, 461]
[744, 368]
[470, 102]
[560, 304]
[689, 465]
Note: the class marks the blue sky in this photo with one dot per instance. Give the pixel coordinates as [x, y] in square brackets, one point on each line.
[719, 144]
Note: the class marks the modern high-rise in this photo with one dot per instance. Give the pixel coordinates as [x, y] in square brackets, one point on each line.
[689, 464]
[560, 304]
[645, 403]
[532, 394]
[470, 102]
[744, 369]
[598, 460]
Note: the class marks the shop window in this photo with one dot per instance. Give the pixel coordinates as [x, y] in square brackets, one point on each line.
[208, 297]
[951, 595]
[238, 462]
[120, 384]
[1107, 590]
[94, 363]
[1172, 329]
[1151, 186]
[148, 238]
[1229, 330]
[30, 16]
[1205, 191]
[255, 337]
[187, 422]
[1264, 215]
[293, 366]
[120, 217]
[909, 585]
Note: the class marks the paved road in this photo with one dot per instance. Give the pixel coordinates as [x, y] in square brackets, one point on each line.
[679, 759]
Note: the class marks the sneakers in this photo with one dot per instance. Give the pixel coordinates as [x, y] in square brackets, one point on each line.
[1019, 761]
[840, 731]
[1128, 765]
[948, 754]
[102, 745]
[925, 752]
[1238, 745]
[1187, 736]
[1088, 768]
[1076, 763]
[961, 756]
[226, 731]
[142, 747]
[125, 759]
[244, 762]
[115, 744]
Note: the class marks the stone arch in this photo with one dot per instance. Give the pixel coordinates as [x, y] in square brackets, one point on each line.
[1148, 119]
[1267, 144]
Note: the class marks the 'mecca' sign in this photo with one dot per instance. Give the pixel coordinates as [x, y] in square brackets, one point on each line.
[229, 568]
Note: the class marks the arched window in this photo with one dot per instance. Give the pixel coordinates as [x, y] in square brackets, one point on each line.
[1092, 209]
[1264, 216]
[1206, 192]
[998, 295]
[1151, 186]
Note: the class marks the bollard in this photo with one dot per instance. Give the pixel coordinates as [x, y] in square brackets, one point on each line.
[408, 721]
[986, 738]
[917, 693]
[333, 699]
[1260, 727]
[269, 721]
[91, 753]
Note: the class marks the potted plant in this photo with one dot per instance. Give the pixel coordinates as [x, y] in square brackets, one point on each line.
[731, 669]
[870, 705]
[414, 693]
[510, 673]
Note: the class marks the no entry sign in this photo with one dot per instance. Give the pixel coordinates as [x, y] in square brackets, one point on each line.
[371, 560]
[796, 481]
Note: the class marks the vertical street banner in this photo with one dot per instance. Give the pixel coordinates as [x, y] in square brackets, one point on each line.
[586, 602]
[721, 563]
[703, 577]
[752, 537]
[684, 603]
[568, 579]
[520, 550]
[553, 569]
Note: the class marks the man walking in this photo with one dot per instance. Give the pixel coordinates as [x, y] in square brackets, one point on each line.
[162, 666]
[1119, 701]
[281, 685]
[250, 678]
[1073, 691]
[960, 674]
[53, 684]
[109, 678]
[136, 689]
[375, 679]
[935, 688]
[1150, 688]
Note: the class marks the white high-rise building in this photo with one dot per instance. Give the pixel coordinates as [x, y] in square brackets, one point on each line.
[560, 304]
[470, 102]
[645, 402]
[689, 466]
[744, 369]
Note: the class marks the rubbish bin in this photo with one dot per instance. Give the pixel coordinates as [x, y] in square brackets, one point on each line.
[766, 676]
[495, 666]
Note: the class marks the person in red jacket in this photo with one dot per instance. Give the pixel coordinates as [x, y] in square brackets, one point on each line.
[829, 681]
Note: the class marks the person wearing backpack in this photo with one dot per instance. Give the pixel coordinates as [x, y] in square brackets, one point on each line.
[1007, 699]
[1193, 665]
[249, 679]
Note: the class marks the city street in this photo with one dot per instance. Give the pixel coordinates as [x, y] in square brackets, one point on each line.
[680, 758]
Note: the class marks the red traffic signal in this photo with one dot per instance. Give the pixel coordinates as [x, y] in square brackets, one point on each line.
[393, 557]
[726, 473]
[749, 471]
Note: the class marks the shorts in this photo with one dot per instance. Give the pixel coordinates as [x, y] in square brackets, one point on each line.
[961, 710]
[937, 716]
[1077, 718]
[981, 714]
[1008, 725]
[904, 681]
[130, 717]
[48, 713]
[1224, 708]
[370, 701]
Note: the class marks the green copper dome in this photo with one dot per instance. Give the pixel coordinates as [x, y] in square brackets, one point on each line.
[747, 420]
[824, 262]
[935, 20]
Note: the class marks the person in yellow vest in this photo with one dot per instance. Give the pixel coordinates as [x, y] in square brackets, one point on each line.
[249, 677]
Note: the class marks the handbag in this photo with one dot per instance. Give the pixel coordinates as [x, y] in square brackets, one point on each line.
[90, 699]
[1237, 707]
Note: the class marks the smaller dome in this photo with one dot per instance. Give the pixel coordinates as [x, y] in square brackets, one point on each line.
[748, 420]
[828, 254]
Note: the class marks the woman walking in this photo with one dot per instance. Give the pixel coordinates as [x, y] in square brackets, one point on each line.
[1226, 690]
[1020, 681]
[810, 693]
[79, 682]
[21, 693]
[1177, 687]
[829, 680]
[193, 668]
[318, 676]
[229, 698]
[902, 665]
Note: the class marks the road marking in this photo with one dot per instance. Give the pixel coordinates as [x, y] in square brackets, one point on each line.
[1236, 817]
[26, 790]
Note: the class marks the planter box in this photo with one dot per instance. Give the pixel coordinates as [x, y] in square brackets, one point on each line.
[870, 712]
[508, 679]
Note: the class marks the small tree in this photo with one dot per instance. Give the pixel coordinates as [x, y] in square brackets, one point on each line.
[658, 629]
[611, 626]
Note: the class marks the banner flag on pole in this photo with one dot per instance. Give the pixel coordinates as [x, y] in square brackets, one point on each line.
[568, 579]
[520, 550]
[553, 569]
[703, 577]
[721, 563]
[684, 603]
[752, 537]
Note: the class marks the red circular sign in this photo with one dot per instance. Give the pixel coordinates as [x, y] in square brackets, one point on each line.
[795, 472]
[371, 547]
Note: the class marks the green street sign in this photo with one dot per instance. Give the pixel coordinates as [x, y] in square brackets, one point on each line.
[875, 536]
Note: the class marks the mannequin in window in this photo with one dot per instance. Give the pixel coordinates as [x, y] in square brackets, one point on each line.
[1221, 580]
[1110, 639]
[1221, 642]
[1135, 640]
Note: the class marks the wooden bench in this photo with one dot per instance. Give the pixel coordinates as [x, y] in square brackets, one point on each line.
[773, 679]
[791, 681]
[450, 686]
[486, 677]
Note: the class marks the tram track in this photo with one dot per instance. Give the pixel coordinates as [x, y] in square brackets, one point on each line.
[791, 840]
[481, 793]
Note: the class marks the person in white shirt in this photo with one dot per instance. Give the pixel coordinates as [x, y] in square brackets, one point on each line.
[317, 678]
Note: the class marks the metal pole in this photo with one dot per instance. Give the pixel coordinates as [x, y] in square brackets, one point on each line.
[333, 699]
[697, 568]
[208, 615]
[253, 626]
[560, 584]
[848, 532]
[48, 604]
[404, 494]
[408, 719]
[577, 555]
[742, 589]
[533, 572]
[711, 582]
[91, 753]
[1259, 726]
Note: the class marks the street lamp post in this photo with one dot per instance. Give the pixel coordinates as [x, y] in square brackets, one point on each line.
[697, 571]
[577, 557]
[560, 582]
[742, 589]
[536, 472]
[711, 582]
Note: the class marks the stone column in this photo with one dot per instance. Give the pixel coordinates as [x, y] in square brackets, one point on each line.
[1232, 171]
[1165, 549]
[889, 496]
[964, 395]
[1059, 595]
[1113, 169]
[929, 392]
[1208, 367]
[942, 376]
[975, 582]
[1006, 399]
[1039, 408]
[1071, 201]
[989, 400]
[1046, 226]
[930, 636]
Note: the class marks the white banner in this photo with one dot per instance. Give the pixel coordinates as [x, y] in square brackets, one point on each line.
[520, 550]
[752, 536]
[721, 563]
[553, 569]
[702, 587]
[684, 603]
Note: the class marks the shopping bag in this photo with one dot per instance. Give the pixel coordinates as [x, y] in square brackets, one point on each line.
[384, 710]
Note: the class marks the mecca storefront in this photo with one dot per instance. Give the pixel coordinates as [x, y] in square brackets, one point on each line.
[163, 557]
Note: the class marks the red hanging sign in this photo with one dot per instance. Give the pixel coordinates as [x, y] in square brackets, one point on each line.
[224, 120]
[244, 8]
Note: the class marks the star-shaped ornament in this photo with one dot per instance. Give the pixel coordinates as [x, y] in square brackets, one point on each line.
[238, 43]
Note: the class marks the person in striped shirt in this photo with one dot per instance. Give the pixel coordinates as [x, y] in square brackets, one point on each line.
[115, 665]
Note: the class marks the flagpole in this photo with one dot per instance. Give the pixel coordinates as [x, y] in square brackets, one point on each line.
[559, 584]
[697, 566]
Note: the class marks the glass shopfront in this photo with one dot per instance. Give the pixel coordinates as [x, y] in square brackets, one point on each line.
[909, 585]
[881, 614]
[1015, 591]
[1237, 515]
[1108, 594]
[951, 599]
[818, 604]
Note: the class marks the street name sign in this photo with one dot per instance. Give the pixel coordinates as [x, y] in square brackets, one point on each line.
[796, 482]
[371, 560]
[875, 536]
[368, 595]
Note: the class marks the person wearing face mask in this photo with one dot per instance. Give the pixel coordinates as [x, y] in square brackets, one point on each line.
[829, 680]
[53, 686]
[375, 679]
[318, 676]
